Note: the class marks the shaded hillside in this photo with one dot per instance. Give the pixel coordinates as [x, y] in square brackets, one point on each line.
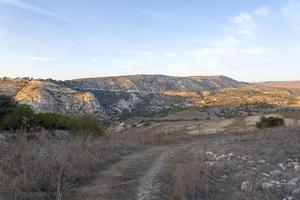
[154, 83]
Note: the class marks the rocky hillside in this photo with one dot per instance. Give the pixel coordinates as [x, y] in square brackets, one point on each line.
[154, 83]
[11, 87]
[141, 95]
[282, 84]
[251, 94]
[45, 96]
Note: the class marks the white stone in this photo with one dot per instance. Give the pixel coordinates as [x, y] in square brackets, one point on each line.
[246, 186]
[295, 180]
[276, 172]
[296, 191]
[281, 166]
[261, 162]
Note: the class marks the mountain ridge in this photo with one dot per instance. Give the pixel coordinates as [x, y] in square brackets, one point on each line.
[139, 95]
[154, 83]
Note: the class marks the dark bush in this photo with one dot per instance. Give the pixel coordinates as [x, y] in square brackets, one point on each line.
[7, 105]
[269, 122]
[87, 124]
[22, 117]
[53, 121]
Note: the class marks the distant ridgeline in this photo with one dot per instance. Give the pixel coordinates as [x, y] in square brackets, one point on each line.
[139, 95]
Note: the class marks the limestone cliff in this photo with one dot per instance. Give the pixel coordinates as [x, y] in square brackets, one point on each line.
[45, 96]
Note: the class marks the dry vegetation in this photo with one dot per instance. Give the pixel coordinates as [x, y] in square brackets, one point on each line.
[260, 166]
[255, 165]
[49, 169]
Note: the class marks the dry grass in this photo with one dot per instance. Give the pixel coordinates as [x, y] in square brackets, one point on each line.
[46, 169]
[205, 177]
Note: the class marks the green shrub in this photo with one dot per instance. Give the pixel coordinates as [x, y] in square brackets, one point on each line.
[53, 121]
[7, 105]
[22, 117]
[16, 117]
[87, 124]
[269, 122]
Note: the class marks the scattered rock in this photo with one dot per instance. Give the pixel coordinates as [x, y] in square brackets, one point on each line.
[246, 157]
[271, 185]
[267, 185]
[281, 166]
[246, 186]
[295, 180]
[261, 162]
[209, 153]
[210, 163]
[296, 191]
[265, 174]
[276, 172]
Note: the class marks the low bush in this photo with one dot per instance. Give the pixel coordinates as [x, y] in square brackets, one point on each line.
[270, 122]
[7, 105]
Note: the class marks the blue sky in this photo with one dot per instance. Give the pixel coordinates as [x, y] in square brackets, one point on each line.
[254, 40]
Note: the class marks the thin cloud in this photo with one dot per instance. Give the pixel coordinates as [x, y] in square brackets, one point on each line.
[262, 11]
[95, 60]
[292, 10]
[148, 55]
[40, 58]
[159, 15]
[32, 8]
[169, 54]
[245, 24]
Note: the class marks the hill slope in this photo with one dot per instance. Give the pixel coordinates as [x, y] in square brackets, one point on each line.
[45, 96]
[282, 84]
[154, 83]
[141, 95]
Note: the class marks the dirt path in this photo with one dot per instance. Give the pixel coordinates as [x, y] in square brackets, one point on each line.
[146, 175]
[136, 176]
[150, 185]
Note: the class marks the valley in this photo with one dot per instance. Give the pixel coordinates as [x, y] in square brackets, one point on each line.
[166, 138]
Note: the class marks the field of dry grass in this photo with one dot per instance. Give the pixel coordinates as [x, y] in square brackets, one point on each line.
[50, 169]
[154, 162]
[263, 165]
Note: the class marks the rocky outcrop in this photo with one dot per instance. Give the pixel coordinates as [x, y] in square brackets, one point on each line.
[45, 96]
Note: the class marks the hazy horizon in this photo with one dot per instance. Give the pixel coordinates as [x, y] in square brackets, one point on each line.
[247, 41]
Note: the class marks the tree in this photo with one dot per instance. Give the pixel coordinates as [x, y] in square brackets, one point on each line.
[7, 105]
[53, 121]
[22, 117]
[88, 124]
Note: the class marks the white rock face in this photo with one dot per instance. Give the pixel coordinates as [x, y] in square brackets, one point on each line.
[155, 83]
[45, 96]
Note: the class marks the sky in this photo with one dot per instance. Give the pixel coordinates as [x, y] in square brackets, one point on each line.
[253, 40]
